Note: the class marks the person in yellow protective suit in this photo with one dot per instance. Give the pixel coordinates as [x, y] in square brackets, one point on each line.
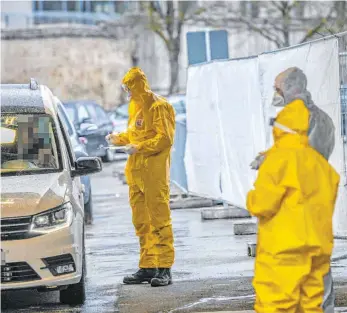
[148, 141]
[294, 199]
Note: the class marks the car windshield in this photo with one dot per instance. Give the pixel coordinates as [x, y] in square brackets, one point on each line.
[28, 144]
[123, 111]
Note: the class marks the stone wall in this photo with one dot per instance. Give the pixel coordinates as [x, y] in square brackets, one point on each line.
[80, 62]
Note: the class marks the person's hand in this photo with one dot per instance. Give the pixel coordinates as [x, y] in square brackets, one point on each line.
[258, 161]
[109, 137]
[130, 149]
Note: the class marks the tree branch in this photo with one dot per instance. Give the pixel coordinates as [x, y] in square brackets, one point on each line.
[317, 28]
[155, 6]
[276, 5]
[169, 20]
[155, 26]
[262, 31]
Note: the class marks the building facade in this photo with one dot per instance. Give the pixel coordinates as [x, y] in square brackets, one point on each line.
[19, 14]
[236, 20]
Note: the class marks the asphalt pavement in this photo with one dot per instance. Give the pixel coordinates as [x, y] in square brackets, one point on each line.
[212, 271]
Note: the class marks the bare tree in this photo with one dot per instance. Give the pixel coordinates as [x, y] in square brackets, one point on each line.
[166, 20]
[279, 19]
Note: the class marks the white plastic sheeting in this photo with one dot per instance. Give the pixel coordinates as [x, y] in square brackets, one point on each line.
[240, 119]
[228, 108]
[203, 147]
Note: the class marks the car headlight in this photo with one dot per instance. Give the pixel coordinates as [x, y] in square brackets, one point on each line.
[53, 219]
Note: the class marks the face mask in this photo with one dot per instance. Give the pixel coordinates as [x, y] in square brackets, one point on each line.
[127, 90]
[278, 100]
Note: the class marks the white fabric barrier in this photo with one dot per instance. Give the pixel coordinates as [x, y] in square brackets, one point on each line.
[228, 108]
[240, 117]
[203, 157]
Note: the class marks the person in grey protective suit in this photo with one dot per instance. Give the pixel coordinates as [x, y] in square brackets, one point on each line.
[291, 85]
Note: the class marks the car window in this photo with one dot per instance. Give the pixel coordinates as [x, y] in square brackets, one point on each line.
[82, 113]
[72, 113]
[65, 121]
[29, 144]
[101, 114]
[67, 141]
[92, 113]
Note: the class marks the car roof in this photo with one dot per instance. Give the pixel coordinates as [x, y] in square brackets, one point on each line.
[24, 98]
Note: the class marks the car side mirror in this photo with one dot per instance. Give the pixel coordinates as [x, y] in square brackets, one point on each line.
[87, 165]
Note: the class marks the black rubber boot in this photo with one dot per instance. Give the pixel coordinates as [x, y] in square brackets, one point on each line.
[141, 276]
[163, 278]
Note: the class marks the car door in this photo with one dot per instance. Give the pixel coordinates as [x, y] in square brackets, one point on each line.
[75, 192]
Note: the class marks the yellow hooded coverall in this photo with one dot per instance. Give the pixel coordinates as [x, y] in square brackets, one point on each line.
[294, 199]
[151, 129]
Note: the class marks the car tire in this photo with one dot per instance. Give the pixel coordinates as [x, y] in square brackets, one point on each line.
[76, 294]
[88, 210]
[109, 156]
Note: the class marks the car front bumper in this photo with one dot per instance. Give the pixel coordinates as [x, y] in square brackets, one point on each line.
[33, 251]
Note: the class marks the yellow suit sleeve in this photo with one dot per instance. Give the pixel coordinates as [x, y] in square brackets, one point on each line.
[164, 126]
[120, 139]
[265, 199]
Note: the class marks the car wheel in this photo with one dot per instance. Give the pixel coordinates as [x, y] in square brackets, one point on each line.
[109, 156]
[76, 294]
[88, 210]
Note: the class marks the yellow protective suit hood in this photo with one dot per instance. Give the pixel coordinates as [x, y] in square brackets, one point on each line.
[136, 81]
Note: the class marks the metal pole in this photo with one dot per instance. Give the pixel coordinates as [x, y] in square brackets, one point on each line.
[208, 46]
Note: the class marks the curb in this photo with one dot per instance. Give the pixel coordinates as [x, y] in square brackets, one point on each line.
[224, 213]
[190, 204]
[245, 228]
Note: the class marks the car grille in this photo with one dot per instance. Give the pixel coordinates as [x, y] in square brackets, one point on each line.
[15, 228]
[59, 260]
[17, 272]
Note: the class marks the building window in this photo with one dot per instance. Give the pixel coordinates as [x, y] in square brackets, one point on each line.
[196, 42]
[102, 6]
[243, 8]
[255, 9]
[52, 5]
[219, 45]
[119, 6]
[36, 6]
[72, 5]
[249, 8]
[86, 6]
[300, 9]
[207, 46]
